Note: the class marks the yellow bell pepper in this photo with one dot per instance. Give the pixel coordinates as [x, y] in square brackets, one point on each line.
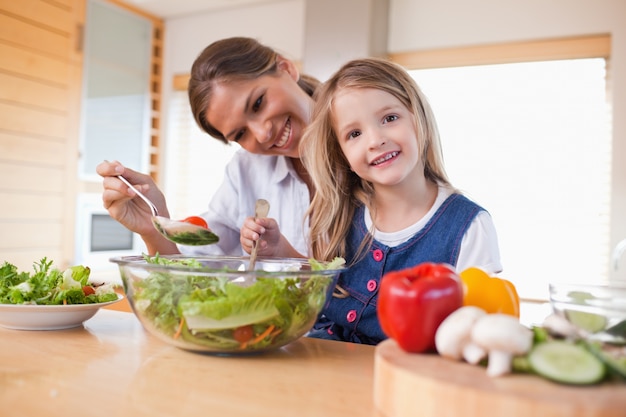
[492, 294]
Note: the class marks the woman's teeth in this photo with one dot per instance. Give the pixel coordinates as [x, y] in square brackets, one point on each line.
[385, 158]
[285, 137]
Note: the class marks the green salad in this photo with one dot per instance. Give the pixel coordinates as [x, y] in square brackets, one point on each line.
[211, 313]
[49, 286]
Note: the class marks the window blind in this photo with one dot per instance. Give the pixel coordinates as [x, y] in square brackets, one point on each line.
[194, 161]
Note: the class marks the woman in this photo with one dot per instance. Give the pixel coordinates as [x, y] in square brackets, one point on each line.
[240, 91]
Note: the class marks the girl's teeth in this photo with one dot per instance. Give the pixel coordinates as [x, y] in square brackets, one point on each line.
[285, 136]
[385, 158]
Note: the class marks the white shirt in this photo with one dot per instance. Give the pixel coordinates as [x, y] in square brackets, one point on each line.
[479, 246]
[247, 178]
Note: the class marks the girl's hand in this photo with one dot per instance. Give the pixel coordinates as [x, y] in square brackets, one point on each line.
[266, 231]
[271, 242]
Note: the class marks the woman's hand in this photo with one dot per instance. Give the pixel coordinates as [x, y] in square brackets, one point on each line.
[131, 211]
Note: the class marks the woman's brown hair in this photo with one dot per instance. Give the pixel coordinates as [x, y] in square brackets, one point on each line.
[237, 58]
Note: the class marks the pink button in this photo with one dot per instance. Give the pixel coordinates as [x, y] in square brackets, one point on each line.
[329, 331]
[351, 316]
[378, 255]
[371, 285]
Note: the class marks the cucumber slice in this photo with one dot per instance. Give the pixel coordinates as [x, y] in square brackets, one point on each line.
[580, 295]
[613, 356]
[590, 322]
[566, 363]
[520, 364]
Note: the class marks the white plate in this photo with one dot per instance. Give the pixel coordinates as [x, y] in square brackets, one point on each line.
[48, 317]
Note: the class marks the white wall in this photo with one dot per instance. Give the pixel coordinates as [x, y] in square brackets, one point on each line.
[427, 24]
[364, 35]
[279, 24]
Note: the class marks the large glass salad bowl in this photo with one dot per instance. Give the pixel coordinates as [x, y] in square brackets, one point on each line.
[214, 304]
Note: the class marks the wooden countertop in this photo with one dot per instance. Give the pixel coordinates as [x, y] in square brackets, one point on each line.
[112, 367]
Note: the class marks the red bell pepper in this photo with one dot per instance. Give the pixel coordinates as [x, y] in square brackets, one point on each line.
[413, 302]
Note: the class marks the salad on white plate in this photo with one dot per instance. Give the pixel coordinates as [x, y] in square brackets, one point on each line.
[49, 298]
[48, 285]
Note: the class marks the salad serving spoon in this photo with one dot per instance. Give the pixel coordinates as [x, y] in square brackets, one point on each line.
[176, 231]
[261, 208]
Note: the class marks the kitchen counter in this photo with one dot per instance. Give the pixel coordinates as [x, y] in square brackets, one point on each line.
[112, 367]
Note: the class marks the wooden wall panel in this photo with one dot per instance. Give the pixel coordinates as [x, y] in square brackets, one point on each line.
[35, 180]
[29, 121]
[31, 150]
[57, 16]
[33, 93]
[43, 207]
[20, 236]
[34, 37]
[67, 3]
[40, 83]
[40, 95]
[30, 64]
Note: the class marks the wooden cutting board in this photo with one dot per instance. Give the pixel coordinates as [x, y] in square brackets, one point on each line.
[428, 385]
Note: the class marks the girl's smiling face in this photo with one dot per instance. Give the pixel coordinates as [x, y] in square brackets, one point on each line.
[377, 135]
[265, 115]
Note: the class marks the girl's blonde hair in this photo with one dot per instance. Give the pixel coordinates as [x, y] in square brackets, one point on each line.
[338, 190]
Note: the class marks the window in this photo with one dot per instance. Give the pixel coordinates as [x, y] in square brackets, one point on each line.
[531, 143]
[194, 161]
[116, 94]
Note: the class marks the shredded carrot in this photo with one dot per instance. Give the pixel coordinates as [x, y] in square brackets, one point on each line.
[262, 335]
[180, 329]
[276, 333]
[64, 302]
[243, 345]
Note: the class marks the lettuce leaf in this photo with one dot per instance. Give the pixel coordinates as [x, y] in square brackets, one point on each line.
[48, 285]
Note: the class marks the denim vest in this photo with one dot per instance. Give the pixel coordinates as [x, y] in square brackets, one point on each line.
[354, 319]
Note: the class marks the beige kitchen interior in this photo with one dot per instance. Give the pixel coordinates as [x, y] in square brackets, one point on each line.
[82, 81]
[43, 151]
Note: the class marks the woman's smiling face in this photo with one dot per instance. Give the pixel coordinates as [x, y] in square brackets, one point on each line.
[266, 115]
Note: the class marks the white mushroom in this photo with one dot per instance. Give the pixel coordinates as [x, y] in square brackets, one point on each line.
[453, 336]
[560, 326]
[503, 337]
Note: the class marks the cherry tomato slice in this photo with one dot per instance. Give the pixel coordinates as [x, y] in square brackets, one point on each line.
[198, 221]
[88, 290]
[243, 334]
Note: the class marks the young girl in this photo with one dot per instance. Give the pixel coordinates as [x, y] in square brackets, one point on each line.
[383, 200]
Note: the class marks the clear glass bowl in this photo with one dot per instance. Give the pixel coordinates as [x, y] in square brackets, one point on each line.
[593, 309]
[217, 306]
